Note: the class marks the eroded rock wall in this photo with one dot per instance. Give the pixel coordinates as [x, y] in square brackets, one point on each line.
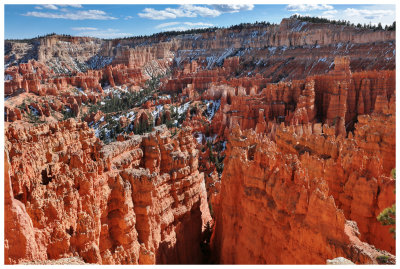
[132, 202]
[274, 207]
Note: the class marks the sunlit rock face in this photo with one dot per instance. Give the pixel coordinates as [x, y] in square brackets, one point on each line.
[281, 201]
[139, 201]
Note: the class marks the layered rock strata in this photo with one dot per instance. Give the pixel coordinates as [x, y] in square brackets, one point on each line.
[292, 49]
[336, 99]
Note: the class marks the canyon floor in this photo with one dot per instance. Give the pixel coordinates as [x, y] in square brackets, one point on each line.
[258, 144]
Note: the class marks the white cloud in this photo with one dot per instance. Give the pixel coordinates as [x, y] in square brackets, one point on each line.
[232, 8]
[373, 15]
[182, 26]
[151, 13]
[202, 11]
[179, 28]
[84, 28]
[167, 24]
[106, 33]
[53, 7]
[198, 24]
[302, 14]
[91, 14]
[128, 17]
[308, 7]
[385, 16]
[183, 11]
[329, 12]
[76, 6]
[367, 13]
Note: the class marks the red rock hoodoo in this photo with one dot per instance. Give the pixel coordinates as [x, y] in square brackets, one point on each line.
[136, 201]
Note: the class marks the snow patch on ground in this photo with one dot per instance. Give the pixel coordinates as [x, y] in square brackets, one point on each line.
[116, 91]
[272, 50]
[100, 126]
[214, 59]
[156, 112]
[211, 139]
[81, 91]
[164, 97]
[178, 60]
[299, 26]
[129, 115]
[199, 137]
[98, 62]
[182, 109]
[210, 61]
[224, 55]
[97, 128]
[36, 112]
[223, 145]
[212, 107]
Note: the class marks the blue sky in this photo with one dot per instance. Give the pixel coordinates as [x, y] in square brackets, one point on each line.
[112, 21]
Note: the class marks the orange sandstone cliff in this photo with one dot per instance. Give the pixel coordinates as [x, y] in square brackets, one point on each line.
[279, 208]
